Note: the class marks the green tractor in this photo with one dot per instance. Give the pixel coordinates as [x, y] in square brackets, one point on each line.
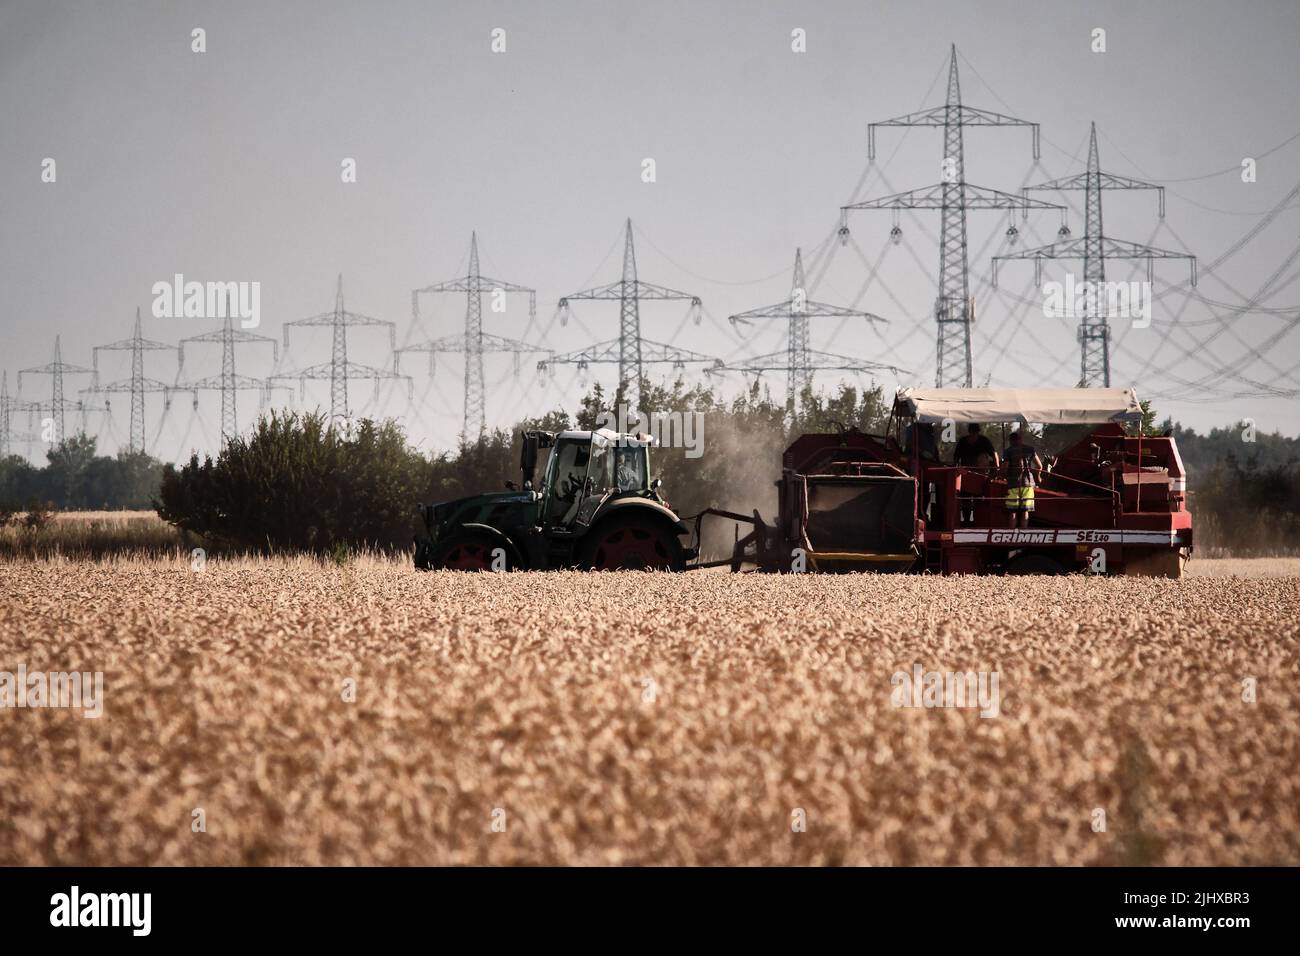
[596, 509]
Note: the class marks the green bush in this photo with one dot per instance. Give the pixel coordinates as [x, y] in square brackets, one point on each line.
[298, 484]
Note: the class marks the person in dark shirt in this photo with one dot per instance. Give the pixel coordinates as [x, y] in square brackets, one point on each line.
[973, 450]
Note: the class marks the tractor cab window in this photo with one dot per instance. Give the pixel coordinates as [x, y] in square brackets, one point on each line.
[566, 473]
[600, 479]
[600, 472]
[630, 468]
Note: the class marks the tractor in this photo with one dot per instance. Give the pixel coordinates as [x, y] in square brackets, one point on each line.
[596, 509]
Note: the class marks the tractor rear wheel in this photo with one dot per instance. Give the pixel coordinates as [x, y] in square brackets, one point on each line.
[470, 552]
[632, 542]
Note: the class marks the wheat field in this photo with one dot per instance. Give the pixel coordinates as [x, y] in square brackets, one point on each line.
[293, 712]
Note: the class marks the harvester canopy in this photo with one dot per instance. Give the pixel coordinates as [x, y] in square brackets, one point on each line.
[1068, 406]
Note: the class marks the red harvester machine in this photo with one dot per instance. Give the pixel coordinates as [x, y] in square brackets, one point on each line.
[1110, 502]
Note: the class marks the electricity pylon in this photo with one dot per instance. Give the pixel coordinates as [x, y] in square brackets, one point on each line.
[339, 369]
[7, 407]
[1094, 248]
[633, 351]
[137, 384]
[229, 382]
[954, 309]
[57, 405]
[474, 342]
[800, 359]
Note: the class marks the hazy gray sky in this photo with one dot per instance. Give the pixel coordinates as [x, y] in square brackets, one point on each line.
[226, 166]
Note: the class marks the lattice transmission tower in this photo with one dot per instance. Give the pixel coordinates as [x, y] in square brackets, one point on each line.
[473, 343]
[954, 309]
[1094, 248]
[340, 369]
[230, 382]
[137, 385]
[57, 406]
[800, 360]
[630, 350]
[9, 405]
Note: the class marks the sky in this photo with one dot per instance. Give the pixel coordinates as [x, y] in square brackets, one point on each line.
[226, 165]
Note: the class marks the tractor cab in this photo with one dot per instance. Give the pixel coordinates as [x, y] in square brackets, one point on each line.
[585, 470]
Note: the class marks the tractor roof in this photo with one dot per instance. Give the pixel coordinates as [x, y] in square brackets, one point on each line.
[577, 434]
[1072, 406]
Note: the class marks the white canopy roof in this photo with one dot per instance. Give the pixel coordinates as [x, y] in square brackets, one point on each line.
[1072, 406]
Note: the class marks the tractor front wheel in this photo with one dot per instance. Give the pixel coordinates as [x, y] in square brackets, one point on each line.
[466, 553]
[632, 543]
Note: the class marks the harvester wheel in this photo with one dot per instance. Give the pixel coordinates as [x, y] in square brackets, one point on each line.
[632, 542]
[471, 552]
[1033, 564]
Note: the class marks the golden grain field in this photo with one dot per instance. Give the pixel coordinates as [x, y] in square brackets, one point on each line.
[647, 718]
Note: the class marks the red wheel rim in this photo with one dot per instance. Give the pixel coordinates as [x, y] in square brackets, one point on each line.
[469, 556]
[631, 548]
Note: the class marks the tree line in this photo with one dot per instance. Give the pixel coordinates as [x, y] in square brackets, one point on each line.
[76, 478]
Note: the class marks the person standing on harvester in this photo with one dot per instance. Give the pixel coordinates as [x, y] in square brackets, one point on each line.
[973, 450]
[1023, 465]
